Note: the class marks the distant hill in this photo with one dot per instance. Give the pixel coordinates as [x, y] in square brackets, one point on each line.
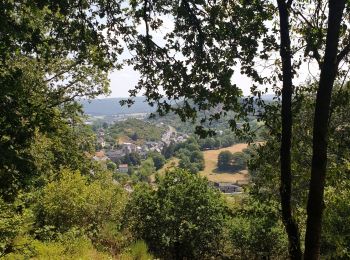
[111, 106]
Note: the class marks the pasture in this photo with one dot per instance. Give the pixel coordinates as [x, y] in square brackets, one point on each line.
[210, 171]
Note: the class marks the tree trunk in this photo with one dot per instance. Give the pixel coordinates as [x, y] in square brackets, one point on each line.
[285, 151]
[319, 150]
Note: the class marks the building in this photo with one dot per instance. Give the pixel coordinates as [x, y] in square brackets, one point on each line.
[227, 187]
[123, 168]
[100, 156]
[115, 155]
[129, 147]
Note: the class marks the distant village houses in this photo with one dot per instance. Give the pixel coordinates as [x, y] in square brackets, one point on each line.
[100, 156]
[227, 187]
[116, 153]
[123, 168]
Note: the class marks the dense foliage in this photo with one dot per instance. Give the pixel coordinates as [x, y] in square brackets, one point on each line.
[190, 155]
[138, 131]
[56, 202]
[183, 218]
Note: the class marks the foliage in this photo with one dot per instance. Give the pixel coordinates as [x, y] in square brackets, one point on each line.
[137, 130]
[239, 160]
[191, 158]
[256, 232]
[138, 250]
[132, 158]
[184, 217]
[72, 201]
[225, 160]
[111, 166]
[15, 222]
[335, 242]
[145, 170]
[71, 245]
[158, 159]
[263, 165]
[51, 53]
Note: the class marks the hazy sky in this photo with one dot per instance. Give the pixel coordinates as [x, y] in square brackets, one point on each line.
[125, 79]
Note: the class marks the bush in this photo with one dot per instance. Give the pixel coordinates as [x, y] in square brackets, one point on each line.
[225, 160]
[74, 202]
[231, 162]
[138, 250]
[183, 218]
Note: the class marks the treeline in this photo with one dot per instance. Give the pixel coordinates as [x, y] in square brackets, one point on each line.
[222, 139]
[189, 152]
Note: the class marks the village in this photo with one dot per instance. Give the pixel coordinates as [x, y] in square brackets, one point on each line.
[118, 151]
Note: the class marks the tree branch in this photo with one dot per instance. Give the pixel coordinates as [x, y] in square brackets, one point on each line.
[344, 52]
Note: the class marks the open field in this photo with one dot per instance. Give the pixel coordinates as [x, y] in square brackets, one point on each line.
[211, 158]
[210, 171]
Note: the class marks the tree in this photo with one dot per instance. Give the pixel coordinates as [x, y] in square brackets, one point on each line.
[134, 136]
[183, 218]
[51, 53]
[111, 166]
[132, 159]
[73, 201]
[256, 232]
[264, 167]
[145, 170]
[158, 159]
[239, 160]
[207, 42]
[169, 150]
[225, 159]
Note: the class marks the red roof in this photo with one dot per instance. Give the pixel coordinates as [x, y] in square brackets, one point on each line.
[100, 154]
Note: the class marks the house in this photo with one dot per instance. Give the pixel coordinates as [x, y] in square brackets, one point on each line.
[227, 187]
[115, 155]
[123, 168]
[129, 147]
[100, 156]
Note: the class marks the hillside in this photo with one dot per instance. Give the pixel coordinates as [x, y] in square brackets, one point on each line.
[111, 106]
[136, 130]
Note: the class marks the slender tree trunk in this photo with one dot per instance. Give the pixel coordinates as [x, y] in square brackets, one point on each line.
[319, 150]
[285, 152]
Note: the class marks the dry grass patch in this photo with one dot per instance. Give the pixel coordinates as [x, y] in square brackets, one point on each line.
[211, 160]
[171, 163]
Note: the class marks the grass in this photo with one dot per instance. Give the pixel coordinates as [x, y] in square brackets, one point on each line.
[171, 163]
[210, 171]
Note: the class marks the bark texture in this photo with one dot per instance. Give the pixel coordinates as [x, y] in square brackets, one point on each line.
[285, 151]
[322, 115]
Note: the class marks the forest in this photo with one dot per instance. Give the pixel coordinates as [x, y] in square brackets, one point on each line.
[56, 202]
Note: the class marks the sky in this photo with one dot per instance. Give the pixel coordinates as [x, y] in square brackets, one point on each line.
[125, 79]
